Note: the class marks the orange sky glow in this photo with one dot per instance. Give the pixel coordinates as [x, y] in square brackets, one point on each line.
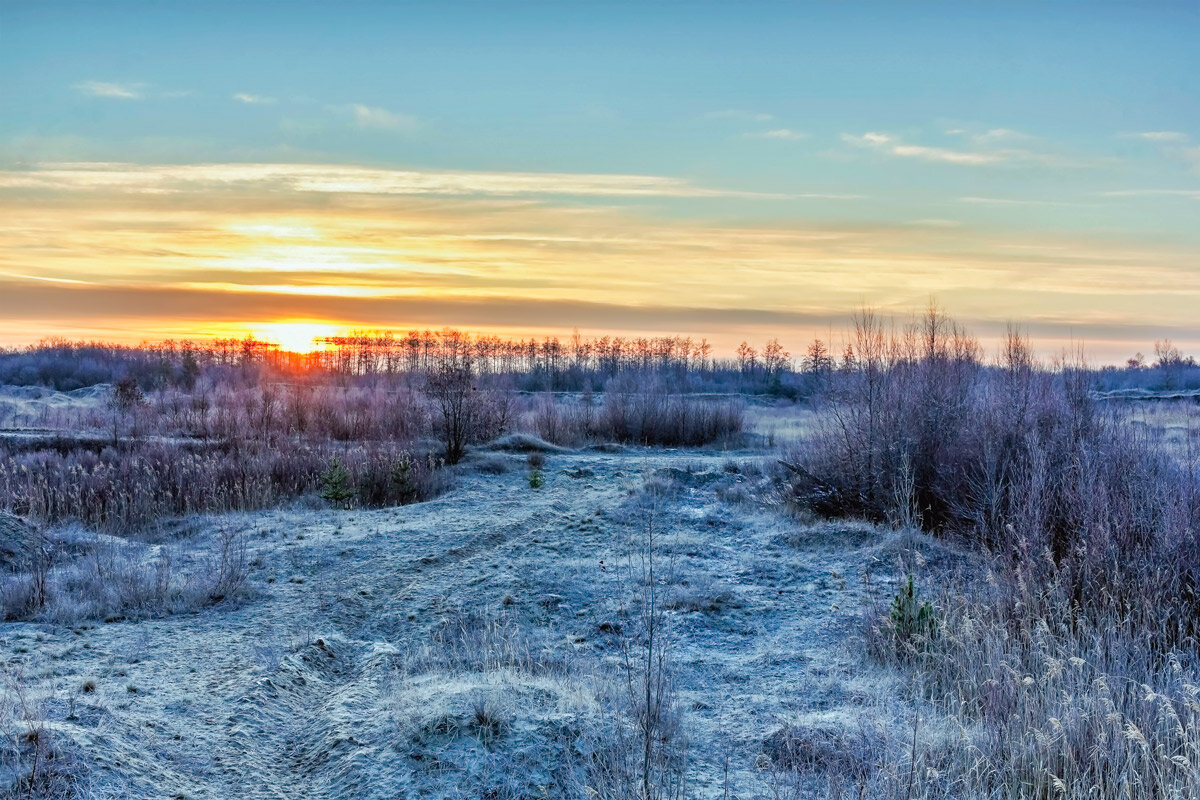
[128, 253]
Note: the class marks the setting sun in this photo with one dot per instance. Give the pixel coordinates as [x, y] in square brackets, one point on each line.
[295, 337]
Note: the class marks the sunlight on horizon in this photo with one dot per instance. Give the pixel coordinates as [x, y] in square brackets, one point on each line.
[296, 336]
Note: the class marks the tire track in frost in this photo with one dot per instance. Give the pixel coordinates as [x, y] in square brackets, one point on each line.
[293, 734]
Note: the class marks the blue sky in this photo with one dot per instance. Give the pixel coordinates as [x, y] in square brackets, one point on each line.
[969, 131]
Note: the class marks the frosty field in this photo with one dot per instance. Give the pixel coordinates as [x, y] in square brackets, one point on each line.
[472, 645]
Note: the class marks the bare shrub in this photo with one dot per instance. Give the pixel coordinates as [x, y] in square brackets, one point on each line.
[120, 580]
[131, 489]
[223, 445]
[849, 754]
[1073, 672]
[1042, 697]
[646, 415]
[494, 464]
[35, 761]
[646, 756]
[922, 433]
[452, 386]
[230, 568]
[653, 416]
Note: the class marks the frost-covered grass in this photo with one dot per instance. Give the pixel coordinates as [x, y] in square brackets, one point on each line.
[640, 415]
[89, 577]
[1073, 671]
[495, 640]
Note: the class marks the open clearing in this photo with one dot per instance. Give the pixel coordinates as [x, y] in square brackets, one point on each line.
[369, 639]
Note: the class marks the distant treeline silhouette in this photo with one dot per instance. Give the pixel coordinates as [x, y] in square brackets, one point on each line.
[549, 363]
[573, 363]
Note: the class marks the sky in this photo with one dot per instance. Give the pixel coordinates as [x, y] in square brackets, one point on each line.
[729, 170]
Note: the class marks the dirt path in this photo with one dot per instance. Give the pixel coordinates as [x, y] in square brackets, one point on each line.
[329, 682]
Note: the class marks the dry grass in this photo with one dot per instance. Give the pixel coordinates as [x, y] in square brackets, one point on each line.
[111, 580]
[638, 414]
[1042, 702]
[1073, 672]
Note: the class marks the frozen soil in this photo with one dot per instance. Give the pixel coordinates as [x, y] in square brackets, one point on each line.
[470, 646]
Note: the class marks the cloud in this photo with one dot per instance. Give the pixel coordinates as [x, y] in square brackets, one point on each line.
[778, 133]
[253, 99]
[742, 116]
[889, 144]
[1011, 201]
[984, 156]
[338, 179]
[224, 247]
[116, 91]
[944, 155]
[999, 135]
[382, 119]
[1194, 194]
[1172, 144]
[989, 136]
[1158, 136]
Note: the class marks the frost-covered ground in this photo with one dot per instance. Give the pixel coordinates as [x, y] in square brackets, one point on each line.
[33, 406]
[471, 646]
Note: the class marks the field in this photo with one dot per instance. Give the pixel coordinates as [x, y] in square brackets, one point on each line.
[680, 595]
[368, 645]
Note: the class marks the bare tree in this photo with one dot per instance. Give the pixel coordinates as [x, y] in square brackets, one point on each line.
[451, 384]
[775, 358]
[126, 398]
[747, 356]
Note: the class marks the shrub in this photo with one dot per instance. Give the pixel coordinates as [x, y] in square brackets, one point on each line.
[403, 482]
[1042, 697]
[451, 384]
[645, 415]
[335, 485]
[914, 623]
[922, 433]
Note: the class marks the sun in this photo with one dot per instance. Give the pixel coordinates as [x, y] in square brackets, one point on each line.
[295, 337]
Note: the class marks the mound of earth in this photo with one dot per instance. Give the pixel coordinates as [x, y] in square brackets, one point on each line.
[525, 443]
[18, 541]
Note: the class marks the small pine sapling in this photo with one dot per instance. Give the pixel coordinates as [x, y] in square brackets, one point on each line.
[402, 481]
[912, 620]
[335, 485]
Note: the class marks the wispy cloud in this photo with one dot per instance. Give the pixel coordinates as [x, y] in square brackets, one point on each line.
[1158, 136]
[117, 91]
[337, 179]
[983, 154]
[244, 242]
[382, 119]
[1194, 194]
[999, 135]
[786, 134]
[253, 99]
[890, 144]
[1015, 201]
